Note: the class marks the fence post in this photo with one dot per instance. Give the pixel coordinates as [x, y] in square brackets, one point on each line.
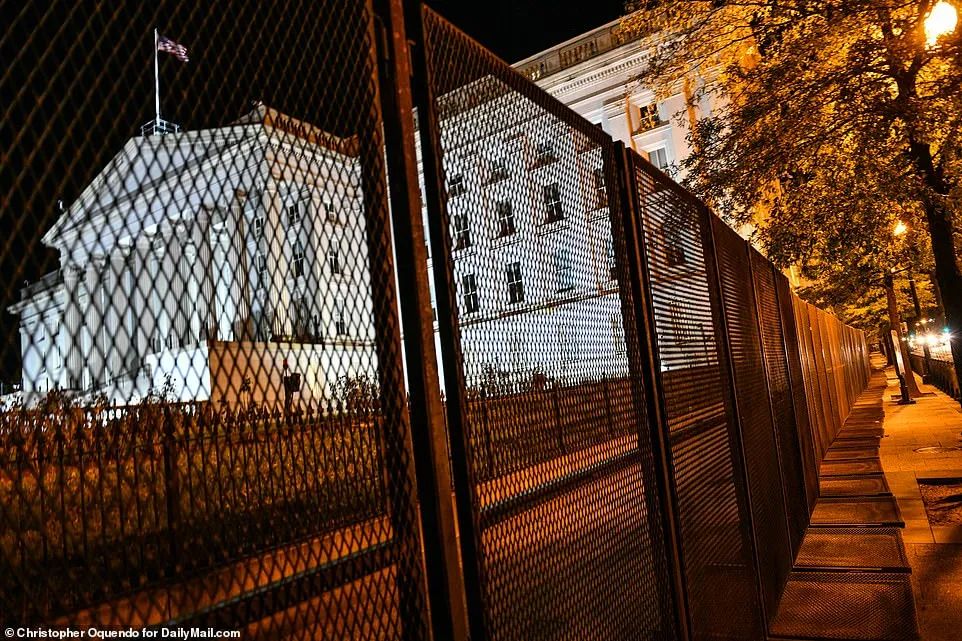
[606, 393]
[171, 491]
[739, 456]
[472, 551]
[402, 44]
[641, 345]
[486, 431]
[556, 412]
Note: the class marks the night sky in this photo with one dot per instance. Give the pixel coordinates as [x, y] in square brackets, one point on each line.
[77, 82]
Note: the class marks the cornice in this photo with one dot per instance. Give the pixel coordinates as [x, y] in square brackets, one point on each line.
[607, 71]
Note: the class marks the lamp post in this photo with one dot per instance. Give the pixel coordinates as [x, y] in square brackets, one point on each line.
[907, 383]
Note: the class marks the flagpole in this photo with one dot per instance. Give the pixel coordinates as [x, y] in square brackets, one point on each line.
[156, 81]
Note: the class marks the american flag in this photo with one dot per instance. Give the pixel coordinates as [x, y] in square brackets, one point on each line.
[167, 45]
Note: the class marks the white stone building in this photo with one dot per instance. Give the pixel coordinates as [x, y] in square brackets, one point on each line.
[193, 261]
[234, 253]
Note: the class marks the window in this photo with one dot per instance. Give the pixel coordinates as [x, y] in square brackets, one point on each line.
[611, 261]
[340, 319]
[302, 316]
[564, 276]
[258, 226]
[673, 237]
[261, 261]
[294, 214]
[499, 170]
[469, 291]
[647, 118]
[462, 232]
[601, 190]
[552, 203]
[456, 185]
[515, 283]
[618, 334]
[334, 260]
[659, 158]
[681, 325]
[298, 261]
[568, 345]
[330, 212]
[545, 154]
[506, 226]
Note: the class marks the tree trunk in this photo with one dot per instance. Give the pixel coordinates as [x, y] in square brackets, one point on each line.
[939, 220]
[947, 274]
[896, 322]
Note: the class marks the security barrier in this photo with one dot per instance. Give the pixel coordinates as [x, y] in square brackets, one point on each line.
[231, 409]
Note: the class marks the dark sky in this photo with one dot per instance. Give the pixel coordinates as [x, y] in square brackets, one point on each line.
[516, 29]
[77, 82]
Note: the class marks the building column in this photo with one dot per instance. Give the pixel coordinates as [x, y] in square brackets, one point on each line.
[95, 356]
[206, 302]
[73, 324]
[178, 285]
[142, 299]
[119, 304]
[194, 304]
[278, 268]
[164, 283]
[236, 225]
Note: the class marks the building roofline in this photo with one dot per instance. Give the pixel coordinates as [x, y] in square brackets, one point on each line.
[591, 44]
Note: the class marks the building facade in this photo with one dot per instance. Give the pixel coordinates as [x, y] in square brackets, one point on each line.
[205, 265]
[190, 268]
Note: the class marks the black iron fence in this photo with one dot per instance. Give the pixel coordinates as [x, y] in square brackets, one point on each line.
[938, 371]
[221, 422]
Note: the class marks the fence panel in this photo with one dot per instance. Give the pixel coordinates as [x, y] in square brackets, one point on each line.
[212, 428]
[540, 350]
[787, 428]
[804, 422]
[754, 412]
[708, 476]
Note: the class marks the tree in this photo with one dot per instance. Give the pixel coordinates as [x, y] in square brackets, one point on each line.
[837, 118]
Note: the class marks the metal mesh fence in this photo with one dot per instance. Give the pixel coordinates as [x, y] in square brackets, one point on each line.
[541, 366]
[219, 422]
[835, 369]
[787, 430]
[212, 426]
[753, 407]
[709, 482]
[795, 395]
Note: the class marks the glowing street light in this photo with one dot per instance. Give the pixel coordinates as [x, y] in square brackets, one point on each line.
[900, 228]
[941, 21]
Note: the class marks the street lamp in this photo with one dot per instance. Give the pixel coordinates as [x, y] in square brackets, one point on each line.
[907, 383]
[940, 22]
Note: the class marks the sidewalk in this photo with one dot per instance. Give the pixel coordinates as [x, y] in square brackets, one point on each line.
[934, 422]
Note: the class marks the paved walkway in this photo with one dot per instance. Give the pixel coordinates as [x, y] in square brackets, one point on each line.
[934, 552]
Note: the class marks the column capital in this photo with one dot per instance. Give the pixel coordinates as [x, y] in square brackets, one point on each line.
[71, 273]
